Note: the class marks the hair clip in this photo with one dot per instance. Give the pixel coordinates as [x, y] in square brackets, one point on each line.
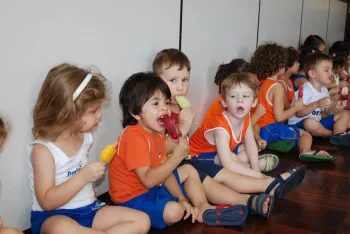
[312, 35]
[242, 66]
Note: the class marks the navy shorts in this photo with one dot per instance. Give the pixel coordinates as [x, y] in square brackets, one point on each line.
[327, 123]
[280, 131]
[84, 215]
[204, 168]
[153, 202]
[209, 157]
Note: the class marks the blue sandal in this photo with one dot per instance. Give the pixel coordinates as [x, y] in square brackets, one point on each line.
[285, 186]
[259, 204]
[225, 215]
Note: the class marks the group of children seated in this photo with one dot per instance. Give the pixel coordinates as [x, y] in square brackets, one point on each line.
[159, 173]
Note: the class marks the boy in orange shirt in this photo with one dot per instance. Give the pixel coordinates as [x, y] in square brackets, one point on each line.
[270, 62]
[141, 177]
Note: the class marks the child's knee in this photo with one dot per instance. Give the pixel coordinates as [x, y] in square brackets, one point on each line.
[188, 170]
[173, 213]
[143, 223]
[311, 124]
[10, 230]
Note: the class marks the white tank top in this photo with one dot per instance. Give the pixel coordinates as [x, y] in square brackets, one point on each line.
[66, 167]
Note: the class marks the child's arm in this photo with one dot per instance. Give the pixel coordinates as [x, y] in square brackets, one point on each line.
[251, 149]
[259, 112]
[49, 195]
[173, 187]
[151, 177]
[278, 104]
[322, 103]
[286, 103]
[228, 159]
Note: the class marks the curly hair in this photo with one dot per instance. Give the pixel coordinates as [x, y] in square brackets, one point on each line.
[268, 59]
[292, 56]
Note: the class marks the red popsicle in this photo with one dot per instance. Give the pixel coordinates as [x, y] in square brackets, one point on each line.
[344, 94]
[171, 126]
[301, 92]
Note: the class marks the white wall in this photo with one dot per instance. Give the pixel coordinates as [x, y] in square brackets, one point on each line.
[315, 18]
[215, 32]
[336, 22]
[119, 37]
[280, 22]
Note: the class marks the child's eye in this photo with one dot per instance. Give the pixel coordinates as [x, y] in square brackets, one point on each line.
[185, 80]
[173, 80]
[167, 102]
[233, 96]
[155, 103]
[246, 96]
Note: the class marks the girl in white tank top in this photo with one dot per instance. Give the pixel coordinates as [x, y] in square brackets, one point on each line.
[68, 108]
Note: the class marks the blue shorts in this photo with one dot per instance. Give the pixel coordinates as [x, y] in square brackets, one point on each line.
[280, 131]
[153, 202]
[209, 157]
[204, 168]
[84, 215]
[327, 123]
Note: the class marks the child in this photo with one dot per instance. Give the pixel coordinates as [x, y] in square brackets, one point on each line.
[67, 110]
[316, 42]
[3, 134]
[141, 177]
[173, 66]
[292, 68]
[318, 68]
[270, 61]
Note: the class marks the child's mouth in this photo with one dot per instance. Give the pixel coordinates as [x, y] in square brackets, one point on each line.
[240, 110]
[160, 120]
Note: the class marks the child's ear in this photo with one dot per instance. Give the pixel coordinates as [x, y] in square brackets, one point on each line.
[223, 102]
[137, 117]
[311, 73]
[255, 102]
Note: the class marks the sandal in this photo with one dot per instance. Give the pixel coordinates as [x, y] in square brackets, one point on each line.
[225, 215]
[285, 186]
[283, 146]
[259, 204]
[271, 162]
[316, 158]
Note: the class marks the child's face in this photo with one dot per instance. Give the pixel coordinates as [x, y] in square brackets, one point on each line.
[322, 48]
[91, 117]
[295, 68]
[323, 73]
[152, 110]
[239, 101]
[177, 81]
[339, 70]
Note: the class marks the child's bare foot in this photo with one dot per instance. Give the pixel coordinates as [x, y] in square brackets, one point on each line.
[266, 205]
[319, 153]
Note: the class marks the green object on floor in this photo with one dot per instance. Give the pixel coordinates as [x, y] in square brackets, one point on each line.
[283, 146]
[315, 158]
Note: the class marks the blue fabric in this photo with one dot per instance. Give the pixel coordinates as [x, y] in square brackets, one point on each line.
[153, 202]
[204, 168]
[209, 157]
[84, 215]
[280, 131]
[327, 123]
[295, 77]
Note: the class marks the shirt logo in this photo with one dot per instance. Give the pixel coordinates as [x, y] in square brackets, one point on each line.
[76, 170]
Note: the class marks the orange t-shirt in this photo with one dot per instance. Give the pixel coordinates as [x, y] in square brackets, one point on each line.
[268, 117]
[136, 148]
[200, 144]
[288, 87]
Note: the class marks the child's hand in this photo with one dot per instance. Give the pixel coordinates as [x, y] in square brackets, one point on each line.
[186, 118]
[340, 105]
[261, 144]
[334, 91]
[298, 105]
[324, 102]
[181, 149]
[93, 171]
[189, 210]
[260, 111]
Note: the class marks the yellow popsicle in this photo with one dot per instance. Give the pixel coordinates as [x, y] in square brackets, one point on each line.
[108, 152]
[183, 102]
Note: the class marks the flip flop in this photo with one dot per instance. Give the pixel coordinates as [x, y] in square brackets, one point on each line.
[225, 215]
[259, 204]
[340, 139]
[271, 162]
[283, 146]
[285, 186]
[315, 158]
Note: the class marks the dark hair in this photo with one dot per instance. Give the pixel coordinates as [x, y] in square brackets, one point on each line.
[312, 60]
[268, 59]
[169, 58]
[3, 130]
[224, 70]
[339, 53]
[136, 91]
[292, 56]
[305, 51]
[314, 41]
